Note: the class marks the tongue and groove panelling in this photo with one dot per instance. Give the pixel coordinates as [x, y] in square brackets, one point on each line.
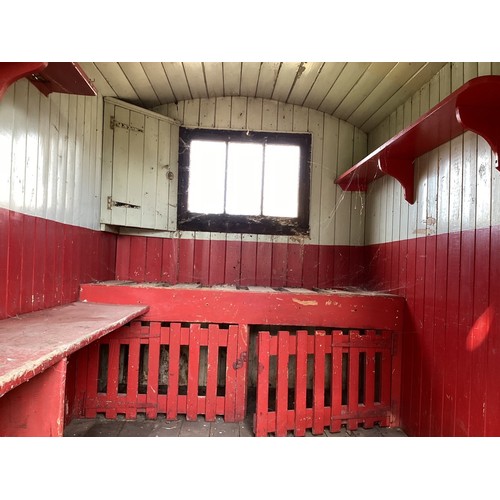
[331, 256]
[441, 254]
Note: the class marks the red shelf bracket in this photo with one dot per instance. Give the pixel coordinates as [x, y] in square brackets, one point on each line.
[12, 71]
[403, 171]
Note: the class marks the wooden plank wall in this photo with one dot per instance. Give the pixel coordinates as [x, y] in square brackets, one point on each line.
[50, 154]
[440, 254]
[332, 256]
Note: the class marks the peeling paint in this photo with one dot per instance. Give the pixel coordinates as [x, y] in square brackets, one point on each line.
[306, 302]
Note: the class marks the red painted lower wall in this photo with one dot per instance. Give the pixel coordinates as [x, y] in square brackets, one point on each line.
[147, 259]
[43, 263]
[451, 343]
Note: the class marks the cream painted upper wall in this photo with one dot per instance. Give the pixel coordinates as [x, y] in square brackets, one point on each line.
[456, 185]
[50, 155]
[335, 217]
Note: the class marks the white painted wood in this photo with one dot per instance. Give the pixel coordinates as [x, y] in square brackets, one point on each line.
[55, 100]
[238, 112]
[316, 127]
[97, 78]
[33, 120]
[306, 76]
[139, 81]
[62, 164]
[254, 113]
[358, 199]
[192, 113]
[154, 186]
[223, 112]
[456, 169]
[207, 112]
[269, 115]
[214, 78]
[300, 119]
[285, 80]
[43, 157]
[107, 163]
[118, 81]
[285, 117]
[177, 80]
[169, 154]
[196, 79]
[159, 82]
[232, 78]
[469, 173]
[483, 184]
[74, 175]
[323, 83]
[267, 79]
[249, 78]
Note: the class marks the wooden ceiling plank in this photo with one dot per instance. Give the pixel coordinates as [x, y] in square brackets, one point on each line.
[135, 74]
[284, 82]
[117, 80]
[196, 79]
[232, 78]
[159, 81]
[214, 78]
[249, 77]
[98, 80]
[267, 79]
[306, 76]
[323, 83]
[350, 75]
[177, 79]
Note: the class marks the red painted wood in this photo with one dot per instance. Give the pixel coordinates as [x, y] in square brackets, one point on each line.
[231, 384]
[326, 266]
[241, 366]
[153, 370]
[170, 260]
[300, 383]
[282, 384]
[36, 408]
[193, 304]
[10, 72]
[340, 266]
[15, 252]
[370, 374]
[92, 378]
[310, 267]
[232, 263]
[67, 262]
[212, 372]
[173, 370]
[295, 262]
[123, 268]
[26, 298]
[186, 261]
[353, 385]
[133, 371]
[263, 267]
[248, 263]
[112, 383]
[216, 265]
[263, 351]
[201, 261]
[279, 264]
[319, 382]
[336, 381]
[193, 372]
[474, 106]
[154, 250]
[138, 259]
[82, 367]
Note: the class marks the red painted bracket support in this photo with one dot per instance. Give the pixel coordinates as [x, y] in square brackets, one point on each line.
[403, 171]
[10, 72]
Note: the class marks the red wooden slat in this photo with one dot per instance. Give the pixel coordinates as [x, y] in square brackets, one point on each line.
[231, 387]
[241, 373]
[92, 376]
[353, 386]
[357, 267]
[336, 381]
[326, 263]
[295, 261]
[201, 262]
[261, 412]
[193, 372]
[137, 258]
[370, 375]
[310, 266]
[50, 262]
[153, 369]
[279, 264]
[301, 383]
[80, 235]
[396, 364]
[217, 262]
[27, 292]
[186, 260]
[16, 239]
[113, 370]
[212, 372]
[4, 249]
[133, 373]
[59, 263]
[233, 262]
[263, 264]
[170, 260]
[82, 365]
[154, 250]
[340, 265]
[248, 262]
[282, 383]
[173, 370]
[319, 382]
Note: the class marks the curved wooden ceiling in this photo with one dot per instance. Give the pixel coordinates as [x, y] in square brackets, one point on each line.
[361, 93]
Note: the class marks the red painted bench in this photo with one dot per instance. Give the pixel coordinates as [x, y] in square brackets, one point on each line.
[34, 349]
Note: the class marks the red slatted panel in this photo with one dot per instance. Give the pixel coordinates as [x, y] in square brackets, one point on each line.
[264, 264]
[263, 352]
[16, 235]
[173, 370]
[153, 370]
[353, 385]
[231, 386]
[295, 261]
[113, 369]
[340, 265]
[232, 263]
[325, 263]
[67, 262]
[310, 266]
[279, 264]
[319, 382]
[92, 376]
[212, 372]
[4, 256]
[282, 383]
[186, 260]
[370, 378]
[170, 260]
[133, 372]
[193, 372]
[82, 366]
[137, 259]
[241, 373]
[301, 383]
[153, 259]
[248, 262]
[216, 264]
[336, 381]
[201, 261]
[27, 292]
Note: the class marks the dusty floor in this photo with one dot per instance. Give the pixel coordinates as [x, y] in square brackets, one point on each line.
[101, 427]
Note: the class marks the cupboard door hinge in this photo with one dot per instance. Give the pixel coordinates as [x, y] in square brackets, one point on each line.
[113, 123]
[112, 203]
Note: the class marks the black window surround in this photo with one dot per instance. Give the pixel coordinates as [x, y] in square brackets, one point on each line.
[228, 223]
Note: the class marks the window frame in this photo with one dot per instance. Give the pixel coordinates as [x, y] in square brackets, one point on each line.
[251, 224]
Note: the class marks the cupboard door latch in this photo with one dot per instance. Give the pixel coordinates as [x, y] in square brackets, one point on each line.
[112, 203]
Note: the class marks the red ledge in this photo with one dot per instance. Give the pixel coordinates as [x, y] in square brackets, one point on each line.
[473, 107]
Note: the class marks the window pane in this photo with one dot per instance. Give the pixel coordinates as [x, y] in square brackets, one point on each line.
[281, 181]
[207, 165]
[244, 178]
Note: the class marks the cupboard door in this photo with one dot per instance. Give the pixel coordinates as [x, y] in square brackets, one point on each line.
[139, 174]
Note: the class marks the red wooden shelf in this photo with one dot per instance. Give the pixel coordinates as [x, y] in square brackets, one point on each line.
[63, 77]
[473, 107]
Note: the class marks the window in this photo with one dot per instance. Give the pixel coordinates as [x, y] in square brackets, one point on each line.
[244, 182]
